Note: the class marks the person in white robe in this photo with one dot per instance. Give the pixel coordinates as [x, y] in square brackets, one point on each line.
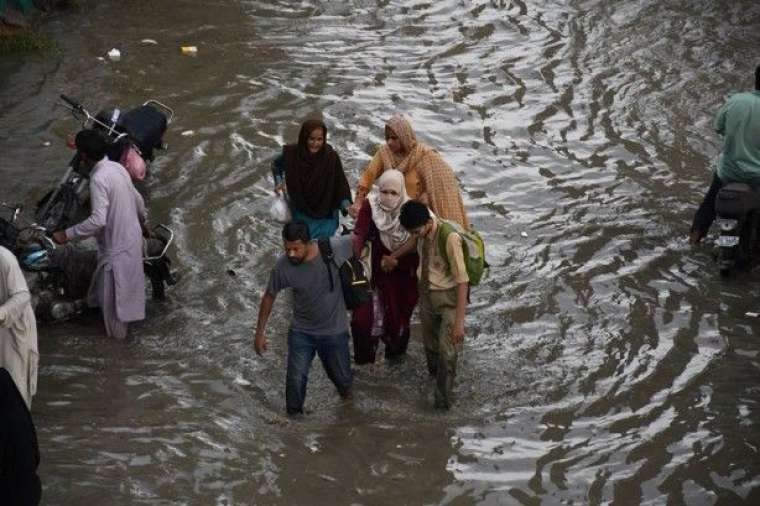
[117, 222]
[18, 328]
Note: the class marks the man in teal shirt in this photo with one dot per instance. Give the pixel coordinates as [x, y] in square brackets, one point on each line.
[739, 122]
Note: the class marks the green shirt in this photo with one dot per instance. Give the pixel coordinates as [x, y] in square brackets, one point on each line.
[739, 121]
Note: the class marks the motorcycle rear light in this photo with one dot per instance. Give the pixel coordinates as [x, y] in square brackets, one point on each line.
[727, 225]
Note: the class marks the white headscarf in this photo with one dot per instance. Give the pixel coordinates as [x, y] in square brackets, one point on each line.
[387, 208]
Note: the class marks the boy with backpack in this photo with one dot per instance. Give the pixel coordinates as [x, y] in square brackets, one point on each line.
[443, 287]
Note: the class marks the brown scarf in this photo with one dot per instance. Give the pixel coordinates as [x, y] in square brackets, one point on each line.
[409, 145]
[437, 178]
[316, 183]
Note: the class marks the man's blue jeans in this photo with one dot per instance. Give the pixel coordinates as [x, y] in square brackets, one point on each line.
[334, 354]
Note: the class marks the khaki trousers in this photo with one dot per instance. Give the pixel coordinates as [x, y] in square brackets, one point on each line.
[438, 312]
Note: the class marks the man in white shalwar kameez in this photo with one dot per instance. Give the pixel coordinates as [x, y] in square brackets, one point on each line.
[18, 328]
[118, 215]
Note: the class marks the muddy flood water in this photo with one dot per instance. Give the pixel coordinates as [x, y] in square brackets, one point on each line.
[605, 360]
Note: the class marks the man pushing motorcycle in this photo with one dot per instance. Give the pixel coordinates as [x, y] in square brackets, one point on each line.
[117, 221]
[739, 122]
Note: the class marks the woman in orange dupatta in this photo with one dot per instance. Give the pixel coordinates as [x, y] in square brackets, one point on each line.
[427, 177]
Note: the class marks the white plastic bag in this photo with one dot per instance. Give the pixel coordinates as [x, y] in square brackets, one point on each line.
[280, 211]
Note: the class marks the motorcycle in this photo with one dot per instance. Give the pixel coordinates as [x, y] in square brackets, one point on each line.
[59, 276]
[133, 137]
[737, 209]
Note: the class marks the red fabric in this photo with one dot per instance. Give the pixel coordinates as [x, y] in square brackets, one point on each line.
[398, 293]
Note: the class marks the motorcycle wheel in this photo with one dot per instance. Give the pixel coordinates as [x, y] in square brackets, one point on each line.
[726, 261]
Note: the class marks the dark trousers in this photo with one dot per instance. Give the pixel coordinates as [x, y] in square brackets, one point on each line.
[705, 215]
[398, 293]
[335, 357]
[19, 452]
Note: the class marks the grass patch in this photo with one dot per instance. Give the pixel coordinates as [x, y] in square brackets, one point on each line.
[23, 40]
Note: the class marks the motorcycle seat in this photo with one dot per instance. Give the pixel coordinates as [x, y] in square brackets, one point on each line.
[735, 200]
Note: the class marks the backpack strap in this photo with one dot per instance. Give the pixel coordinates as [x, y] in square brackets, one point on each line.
[445, 229]
[325, 249]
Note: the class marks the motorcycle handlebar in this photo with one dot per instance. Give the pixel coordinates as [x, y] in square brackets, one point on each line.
[73, 103]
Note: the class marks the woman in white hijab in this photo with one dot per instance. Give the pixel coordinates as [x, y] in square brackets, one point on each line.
[18, 328]
[387, 316]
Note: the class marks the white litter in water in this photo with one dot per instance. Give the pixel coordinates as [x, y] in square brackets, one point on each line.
[239, 380]
[59, 403]
[100, 58]
[46, 143]
[188, 133]
[114, 54]
[752, 314]
[149, 41]
[523, 234]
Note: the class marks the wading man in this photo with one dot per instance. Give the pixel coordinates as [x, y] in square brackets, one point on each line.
[739, 122]
[320, 321]
[117, 222]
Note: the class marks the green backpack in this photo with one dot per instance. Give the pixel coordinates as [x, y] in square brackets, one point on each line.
[473, 247]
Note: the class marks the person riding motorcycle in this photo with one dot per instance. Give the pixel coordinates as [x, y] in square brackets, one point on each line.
[739, 122]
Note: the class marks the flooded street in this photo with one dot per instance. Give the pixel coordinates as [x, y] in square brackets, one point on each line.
[605, 360]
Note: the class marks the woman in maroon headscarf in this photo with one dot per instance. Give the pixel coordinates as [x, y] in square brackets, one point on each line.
[311, 175]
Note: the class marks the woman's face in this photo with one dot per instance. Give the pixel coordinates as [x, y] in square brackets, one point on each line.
[389, 199]
[392, 140]
[315, 141]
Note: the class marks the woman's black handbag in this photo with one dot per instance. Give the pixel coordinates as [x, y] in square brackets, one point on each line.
[355, 285]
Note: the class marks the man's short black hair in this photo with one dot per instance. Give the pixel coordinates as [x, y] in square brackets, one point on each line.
[296, 231]
[414, 214]
[92, 144]
[757, 78]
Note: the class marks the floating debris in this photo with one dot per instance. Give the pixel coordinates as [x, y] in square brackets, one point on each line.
[114, 54]
[239, 380]
[189, 50]
[188, 133]
[149, 42]
[523, 234]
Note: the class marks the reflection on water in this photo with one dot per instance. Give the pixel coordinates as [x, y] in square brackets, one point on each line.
[605, 362]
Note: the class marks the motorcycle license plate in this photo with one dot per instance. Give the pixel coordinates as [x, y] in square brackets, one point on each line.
[728, 241]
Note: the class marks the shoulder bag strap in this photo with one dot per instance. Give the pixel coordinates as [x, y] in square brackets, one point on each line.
[325, 249]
